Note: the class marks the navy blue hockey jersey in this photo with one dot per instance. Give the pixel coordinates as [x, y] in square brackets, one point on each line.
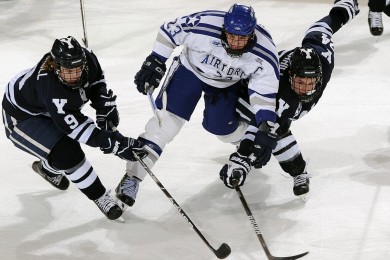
[38, 92]
[289, 107]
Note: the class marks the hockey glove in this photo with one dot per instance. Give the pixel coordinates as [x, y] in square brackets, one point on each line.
[106, 111]
[262, 148]
[150, 75]
[235, 171]
[124, 147]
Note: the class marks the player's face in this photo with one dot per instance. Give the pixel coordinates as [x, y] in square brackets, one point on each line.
[71, 76]
[236, 42]
[303, 85]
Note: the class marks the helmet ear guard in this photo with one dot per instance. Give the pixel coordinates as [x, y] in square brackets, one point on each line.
[239, 20]
[305, 63]
[67, 53]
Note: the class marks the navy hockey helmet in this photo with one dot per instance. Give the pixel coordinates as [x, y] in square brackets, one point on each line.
[239, 20]
[306, 64]
[71, 62]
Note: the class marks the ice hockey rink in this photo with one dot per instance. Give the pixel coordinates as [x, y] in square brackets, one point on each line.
[346, 140]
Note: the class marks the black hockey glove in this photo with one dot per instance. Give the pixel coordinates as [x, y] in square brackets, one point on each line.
[235, 170]
[124, 147]
[262, 148]
[150, 74]
[107, 114]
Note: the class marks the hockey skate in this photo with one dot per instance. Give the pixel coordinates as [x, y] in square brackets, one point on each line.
[375, 23]
[301, 186]
[108, 206]
[57, 180]
[126, 192]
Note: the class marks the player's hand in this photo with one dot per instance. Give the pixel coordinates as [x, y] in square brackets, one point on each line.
[235, 171]
[107, 115]
[124, 147]
[262, 148]
[150, 74]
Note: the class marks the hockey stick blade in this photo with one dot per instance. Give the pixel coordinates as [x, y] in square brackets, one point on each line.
[287, 257]
[223, 251]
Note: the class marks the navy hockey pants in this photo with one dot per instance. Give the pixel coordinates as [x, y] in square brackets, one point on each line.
[36, 135]
[184, 90]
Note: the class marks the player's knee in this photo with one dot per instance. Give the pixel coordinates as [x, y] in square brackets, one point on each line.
[295, 166]
[163, 132]
[236, 136]
[66, 154]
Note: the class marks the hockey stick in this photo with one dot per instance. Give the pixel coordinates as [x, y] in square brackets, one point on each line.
[85, 39]
[223, 251]
[152, 102]
[257, 229]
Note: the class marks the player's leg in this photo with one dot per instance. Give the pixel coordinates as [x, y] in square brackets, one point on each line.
[37, 136]
[226, 114]
[68, 157]
[60, 157]
[183, 91]
[376, 7]
[290, 159]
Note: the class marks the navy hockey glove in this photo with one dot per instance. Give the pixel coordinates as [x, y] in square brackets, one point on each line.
[262, 148]
[124, 147]
[150, 74]
[235, 170]
[107, 114]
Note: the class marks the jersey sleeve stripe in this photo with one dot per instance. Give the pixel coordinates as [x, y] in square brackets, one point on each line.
[265, 34]
[83, 131]
[217, 29]
[205, 29]
[97, 82]
[206, 32]
[320, 27]
[16, 82]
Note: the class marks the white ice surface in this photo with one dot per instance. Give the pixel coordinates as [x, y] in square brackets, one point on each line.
[345, 139]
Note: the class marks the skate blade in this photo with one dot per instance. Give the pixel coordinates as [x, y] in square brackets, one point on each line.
[120, 220]
[304, 197]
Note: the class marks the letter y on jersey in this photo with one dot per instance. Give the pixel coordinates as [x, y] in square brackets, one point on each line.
[60, 103]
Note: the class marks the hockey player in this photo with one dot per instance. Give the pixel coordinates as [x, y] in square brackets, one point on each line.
[305, 71]
[376, 8]
[219, 49]
[42, 116]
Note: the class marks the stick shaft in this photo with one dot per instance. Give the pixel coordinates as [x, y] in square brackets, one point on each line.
[181, 211]
[83, 19]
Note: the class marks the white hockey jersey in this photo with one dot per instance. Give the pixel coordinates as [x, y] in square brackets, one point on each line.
[204, 55]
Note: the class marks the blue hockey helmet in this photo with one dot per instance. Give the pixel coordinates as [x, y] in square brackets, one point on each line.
[68, 54]
[239, 26]
[240, 20]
